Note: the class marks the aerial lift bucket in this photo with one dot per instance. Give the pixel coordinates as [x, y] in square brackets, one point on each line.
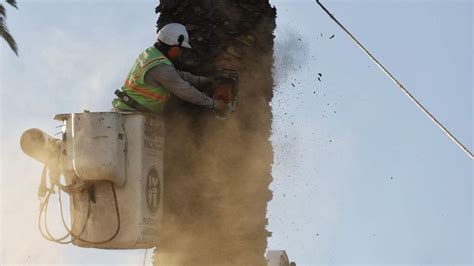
[112, 164]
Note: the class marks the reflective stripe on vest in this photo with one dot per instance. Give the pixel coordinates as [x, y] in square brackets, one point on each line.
[144, 92]
[154, 98]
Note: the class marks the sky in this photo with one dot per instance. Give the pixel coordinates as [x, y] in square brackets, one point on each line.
[361, 176]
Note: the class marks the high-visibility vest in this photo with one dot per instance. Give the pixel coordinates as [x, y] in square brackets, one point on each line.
[154, 98]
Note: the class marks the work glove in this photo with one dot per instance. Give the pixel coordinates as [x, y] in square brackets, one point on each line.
[222, 108]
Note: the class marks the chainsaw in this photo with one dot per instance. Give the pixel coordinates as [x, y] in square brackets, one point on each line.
[226, 90]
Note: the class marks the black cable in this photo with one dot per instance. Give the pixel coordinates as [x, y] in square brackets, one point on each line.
[48, 236]
[441, 126]
[97, 242]
[74, 221]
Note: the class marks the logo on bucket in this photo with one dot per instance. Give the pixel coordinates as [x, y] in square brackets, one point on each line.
[153, 190]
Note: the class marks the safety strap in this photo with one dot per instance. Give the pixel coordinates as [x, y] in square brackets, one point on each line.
[131, 102]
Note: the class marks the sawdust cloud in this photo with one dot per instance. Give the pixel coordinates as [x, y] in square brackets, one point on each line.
[226, 171]
[217, 173]
[217, 186]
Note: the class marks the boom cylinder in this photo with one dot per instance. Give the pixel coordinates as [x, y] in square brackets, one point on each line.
[39, 145]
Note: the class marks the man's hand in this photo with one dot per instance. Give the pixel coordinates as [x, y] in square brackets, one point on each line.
[221, 106]
[222, 109]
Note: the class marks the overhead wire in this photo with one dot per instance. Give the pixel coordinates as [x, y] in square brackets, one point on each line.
[400, 85]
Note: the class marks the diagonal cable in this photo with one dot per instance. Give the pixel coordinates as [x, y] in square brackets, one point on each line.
[443, 128]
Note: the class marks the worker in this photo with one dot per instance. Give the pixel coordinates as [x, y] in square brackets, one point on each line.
[153, 77]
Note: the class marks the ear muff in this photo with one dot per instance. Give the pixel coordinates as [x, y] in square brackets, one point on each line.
[174, 51]
[180, 39]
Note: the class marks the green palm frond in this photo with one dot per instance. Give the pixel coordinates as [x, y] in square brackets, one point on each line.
[12, 3]
[4, 33]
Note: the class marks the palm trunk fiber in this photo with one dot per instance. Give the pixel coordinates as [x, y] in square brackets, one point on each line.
[217, 173]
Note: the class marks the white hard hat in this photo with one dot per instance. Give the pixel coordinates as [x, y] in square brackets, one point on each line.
[174, 34]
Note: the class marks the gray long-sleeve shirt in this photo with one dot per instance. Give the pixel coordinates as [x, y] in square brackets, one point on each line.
[179, 83]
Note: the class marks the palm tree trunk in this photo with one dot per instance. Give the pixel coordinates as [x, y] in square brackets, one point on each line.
[217, 173]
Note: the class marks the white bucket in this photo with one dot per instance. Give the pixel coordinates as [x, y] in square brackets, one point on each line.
[124, 149]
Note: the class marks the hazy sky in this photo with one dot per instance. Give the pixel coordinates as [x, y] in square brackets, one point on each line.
[361, 175]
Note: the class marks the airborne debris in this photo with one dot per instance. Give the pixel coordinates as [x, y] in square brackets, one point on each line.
[293, 85]
[332, 36]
